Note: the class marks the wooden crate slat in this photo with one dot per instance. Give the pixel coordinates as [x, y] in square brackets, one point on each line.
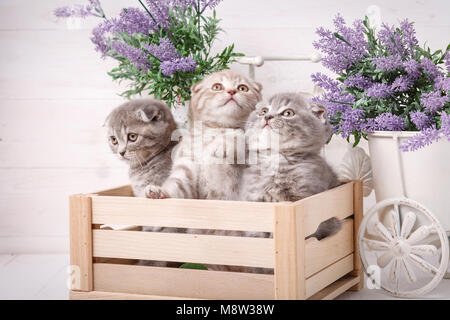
[183, 213]
[123, 191]
[182, 282]
[100, 295]
[329, 275]
[336, 288]
[206, 249]
[320, 254]
[289, 253]
[358, 209]
[337, 202]
[80, 242]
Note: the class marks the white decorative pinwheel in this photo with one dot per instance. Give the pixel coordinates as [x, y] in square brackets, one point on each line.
[407, 246]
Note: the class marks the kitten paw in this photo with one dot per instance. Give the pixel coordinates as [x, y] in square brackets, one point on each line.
[155, 192]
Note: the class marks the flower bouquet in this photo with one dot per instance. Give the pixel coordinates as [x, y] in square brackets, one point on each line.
[161, 48]
[385, 82]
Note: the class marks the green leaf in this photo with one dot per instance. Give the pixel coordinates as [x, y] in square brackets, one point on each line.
[196, 266]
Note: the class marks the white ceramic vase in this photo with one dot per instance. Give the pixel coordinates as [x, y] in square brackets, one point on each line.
[422, 175]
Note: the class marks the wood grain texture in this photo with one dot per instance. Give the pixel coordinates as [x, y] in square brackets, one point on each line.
[99, 295]
[321, 254]
[329, 275]
[336, 288]
[183, 213]
[337, 202]
[199, 284]
[289, 253]
[206, 249]
[358, 209]
[81, 242]
[123, 191]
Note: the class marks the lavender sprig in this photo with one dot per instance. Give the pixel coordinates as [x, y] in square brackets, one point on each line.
[385, 82]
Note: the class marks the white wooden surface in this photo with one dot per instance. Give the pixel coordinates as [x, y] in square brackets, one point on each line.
[55, 94]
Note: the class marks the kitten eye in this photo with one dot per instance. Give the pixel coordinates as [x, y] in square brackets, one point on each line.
[243, 88]
[263, 112]
[113, 140]
[217, 87]
[288, 113]
[132, 137]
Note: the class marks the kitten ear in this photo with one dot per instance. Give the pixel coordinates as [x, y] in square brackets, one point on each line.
[106, 120]
[141, 115]
[196, 87]
[158, 115]
[258, 86]
[319, 112]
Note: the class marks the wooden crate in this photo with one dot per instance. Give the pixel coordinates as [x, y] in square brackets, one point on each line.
[102, 260]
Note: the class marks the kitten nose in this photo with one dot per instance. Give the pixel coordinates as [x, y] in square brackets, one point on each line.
[268, 117]
[122, 153]
[232, 92]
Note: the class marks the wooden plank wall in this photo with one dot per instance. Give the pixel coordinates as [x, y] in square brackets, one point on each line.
[55, 94]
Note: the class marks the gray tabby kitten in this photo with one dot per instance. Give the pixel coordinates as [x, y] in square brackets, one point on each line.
[140, 133]
[301, 130]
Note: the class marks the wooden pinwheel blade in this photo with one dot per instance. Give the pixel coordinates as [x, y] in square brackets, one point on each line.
[411, 276]
[383, 232]
[408, 224]
[420, 234]
[422, 264]
[375, 244]
[384, 259]
[424, 250]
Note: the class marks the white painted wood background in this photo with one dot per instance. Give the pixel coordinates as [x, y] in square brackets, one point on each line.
[55, 94]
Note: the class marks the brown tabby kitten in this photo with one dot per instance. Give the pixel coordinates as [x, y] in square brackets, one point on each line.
[140, 134]
[203, 168]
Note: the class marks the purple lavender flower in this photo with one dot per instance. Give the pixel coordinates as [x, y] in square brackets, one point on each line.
[445, 124]
[325, 82]
[159, 10]
[447, 61]
[412, 67]
[442, 83]
[389, 122]
[409, 35]
[358, 81]
[133, 54]
[185, 64]
[430, 68]
[211, 4]
[368, 125]
[389, 63]
[392, 40]
[402, 84]
[165, 51]
[422, 139]
[351, 120]
[133, 20]
[204, 4]
[379, 90]
[433, 101]
[344, 47]
[171, 60]
[421, 120]
[81, 11]
[99, 37]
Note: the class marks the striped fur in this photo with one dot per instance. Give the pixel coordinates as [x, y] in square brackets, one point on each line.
[201, 162]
